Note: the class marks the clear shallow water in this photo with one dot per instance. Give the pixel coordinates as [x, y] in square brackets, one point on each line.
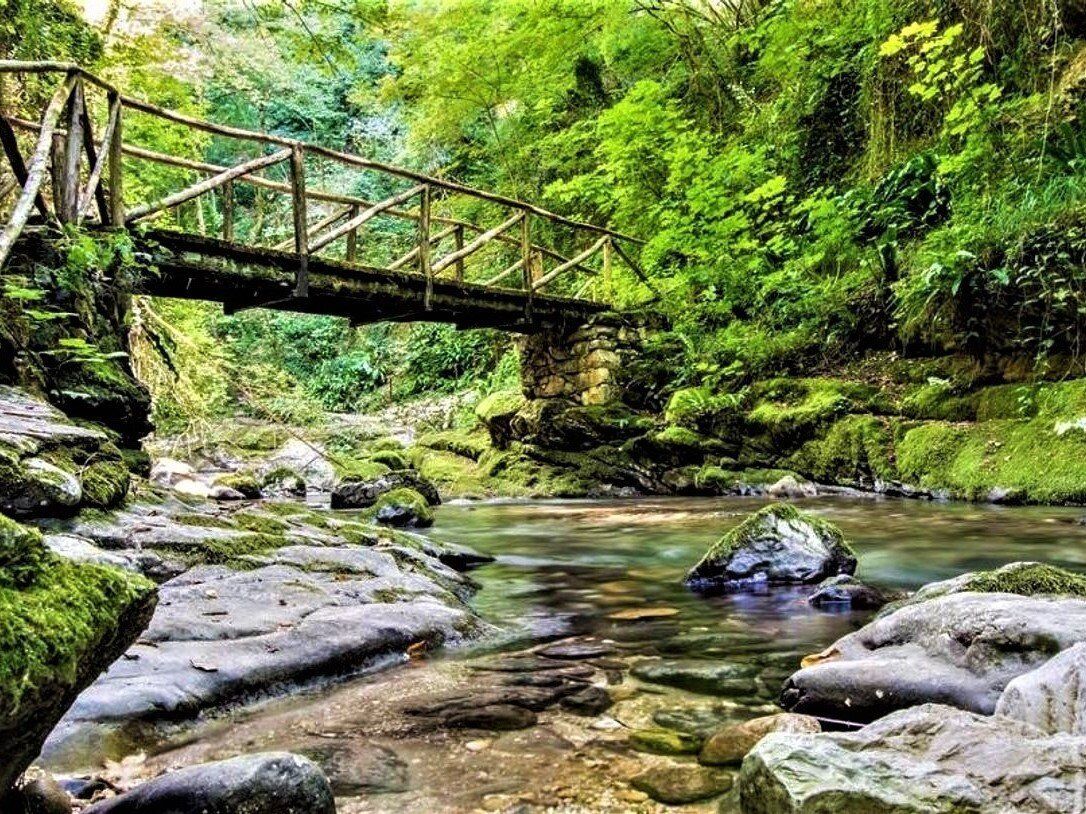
[584, 561]
[569, 567]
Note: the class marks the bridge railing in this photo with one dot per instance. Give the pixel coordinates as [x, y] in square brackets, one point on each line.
[89, 168]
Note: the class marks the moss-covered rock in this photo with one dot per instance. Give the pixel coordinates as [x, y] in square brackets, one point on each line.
[244, 482]
[857, 450]
[776, 545]
[1022, 578]
[62, 624]
[403, 508]
[1022, 461]
[283, 481]
[393, 459]
[665, 742]
[459, 442]
[496, 413]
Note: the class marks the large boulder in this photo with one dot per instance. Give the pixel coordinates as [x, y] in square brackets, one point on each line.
[778, 545]
[362, 494]
[271, 783]
[960, 649]
[926, 760]
[61, 624]
[1052, 697]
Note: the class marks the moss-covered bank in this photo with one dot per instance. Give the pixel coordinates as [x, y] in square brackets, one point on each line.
[61, 624]
[939, 427]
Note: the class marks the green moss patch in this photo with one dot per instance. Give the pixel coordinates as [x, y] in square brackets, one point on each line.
[393, 459]
[1026, 459]
[1028, 579]
[459, 442]
[857, 449]
[54, 615]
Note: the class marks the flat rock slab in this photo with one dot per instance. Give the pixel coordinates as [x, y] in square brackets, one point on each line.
[961, 650]
[26, 423]
[929, 759]
[221, 636]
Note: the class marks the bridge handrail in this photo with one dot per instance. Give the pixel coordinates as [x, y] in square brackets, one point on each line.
[71, 200]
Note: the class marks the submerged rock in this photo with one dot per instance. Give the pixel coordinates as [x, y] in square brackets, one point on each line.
[844, 591]
[681, 784]
[778, 545]
[665, 742]
[960, 649]
[273, 783]
[925, 760]
[712, 677]
[362, 494]
[63, 623]
[731, 743]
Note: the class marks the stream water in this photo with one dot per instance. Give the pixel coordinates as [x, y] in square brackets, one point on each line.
[588, 569]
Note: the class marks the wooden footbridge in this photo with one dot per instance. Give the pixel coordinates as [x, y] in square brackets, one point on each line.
[267, 232]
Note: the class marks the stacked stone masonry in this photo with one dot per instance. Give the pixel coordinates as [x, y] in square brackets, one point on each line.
[582, 364]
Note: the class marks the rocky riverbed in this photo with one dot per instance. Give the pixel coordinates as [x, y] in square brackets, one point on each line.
[629, 655]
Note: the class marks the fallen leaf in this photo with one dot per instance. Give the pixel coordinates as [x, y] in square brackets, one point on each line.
[633, 614]
[829, 654]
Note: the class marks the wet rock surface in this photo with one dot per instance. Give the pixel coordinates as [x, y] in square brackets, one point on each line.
[289, 605]
[778, 545]
[960, 649]
[925, 759]
[276, 783]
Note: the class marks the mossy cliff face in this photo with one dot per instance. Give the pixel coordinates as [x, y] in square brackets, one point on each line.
[61, 624]
[77, 356]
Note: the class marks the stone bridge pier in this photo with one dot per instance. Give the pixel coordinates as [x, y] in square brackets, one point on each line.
[583, 364]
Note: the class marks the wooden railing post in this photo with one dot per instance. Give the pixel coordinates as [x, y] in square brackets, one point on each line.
[228, 211]
[424, 247]
[301, 234]
[608, 293]
[458, 238]
[526, 263]
[116, 165]
[352, 236]
[67, 205]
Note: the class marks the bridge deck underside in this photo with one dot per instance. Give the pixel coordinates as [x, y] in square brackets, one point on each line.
[195, 267]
